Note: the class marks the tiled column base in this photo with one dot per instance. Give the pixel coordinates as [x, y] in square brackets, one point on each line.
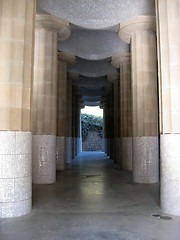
[111, 148]
[145, 159]
[79, 145]
[126, 163]
[44, 159]
[68, 151]
[72, 146]
[15, 173]
[117, 149]
[108, 146]
[75, 146]
[170, 173]
[60, 153]
[104, 145]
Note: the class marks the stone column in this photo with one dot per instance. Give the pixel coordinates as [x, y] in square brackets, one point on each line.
[78, 132]
[123, 63]
[73, 121]
[16, 63]
[69, 123]
[64, 61]
[45, 96]
[168, 32]
[111, 125]
[114, 79]
[140, 32]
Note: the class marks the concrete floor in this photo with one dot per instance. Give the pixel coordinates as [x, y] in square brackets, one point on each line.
[93, 200]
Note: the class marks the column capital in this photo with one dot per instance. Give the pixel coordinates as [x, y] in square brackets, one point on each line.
[113, 77]
[72, 76]
[138, 24]
[119, 59]
[66, 57]
[53, 23]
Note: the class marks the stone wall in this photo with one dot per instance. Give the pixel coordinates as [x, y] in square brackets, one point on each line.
[93, 142]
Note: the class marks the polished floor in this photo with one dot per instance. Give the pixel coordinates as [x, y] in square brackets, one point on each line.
[93, 200]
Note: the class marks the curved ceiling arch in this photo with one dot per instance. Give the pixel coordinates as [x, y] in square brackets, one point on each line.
[97, 14]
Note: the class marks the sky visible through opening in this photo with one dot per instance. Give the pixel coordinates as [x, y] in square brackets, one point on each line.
[96, 111]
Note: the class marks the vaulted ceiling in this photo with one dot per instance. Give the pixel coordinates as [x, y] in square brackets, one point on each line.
[94, 39]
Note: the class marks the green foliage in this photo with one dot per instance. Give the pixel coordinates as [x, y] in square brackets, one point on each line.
[93, 123]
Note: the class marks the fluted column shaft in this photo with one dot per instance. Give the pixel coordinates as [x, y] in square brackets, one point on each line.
[141, 33]
[64, 60]
[114, 79]
[61, 116]
[45, 98]
[16, 64]
[69, 123]
[168, 35]
[123, 63]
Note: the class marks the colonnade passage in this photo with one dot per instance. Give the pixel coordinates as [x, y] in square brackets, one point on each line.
[53, 64]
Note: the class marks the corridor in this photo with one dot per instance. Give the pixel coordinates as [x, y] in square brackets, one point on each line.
[92, 200]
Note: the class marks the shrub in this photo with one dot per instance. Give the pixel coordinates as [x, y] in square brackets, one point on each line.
[93, 123]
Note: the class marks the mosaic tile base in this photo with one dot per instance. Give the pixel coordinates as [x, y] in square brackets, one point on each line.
[60, 153]
[15, 173]
[145, 159]
[170, 173]
[126, 153]
[44, 159]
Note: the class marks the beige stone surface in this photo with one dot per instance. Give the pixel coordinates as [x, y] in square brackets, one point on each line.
[53, 23]
[123, 62]
[168, 35]
[45, 82]
[16, 61]
[144, 74]
[61, 99]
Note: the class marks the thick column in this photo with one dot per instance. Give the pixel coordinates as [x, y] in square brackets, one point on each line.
[79, 138]
[114, 78]
[141, 33]
[45, 97]
[168, 32]
[16, 60]
[123, 63]
[64, 61]
[69, 123]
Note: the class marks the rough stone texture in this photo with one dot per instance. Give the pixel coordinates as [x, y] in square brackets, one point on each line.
[170, 173]
[96, 14]
[15, 173]
[93, 142]
[60, 153]
[93, 45]
[44, 159]
[92, 68]
[126, 163]
[145, 159]
[68, 150]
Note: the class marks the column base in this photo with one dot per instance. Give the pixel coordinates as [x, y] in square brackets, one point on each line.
[170, 173]
[145, 159]
[15, 174]
[44, 159]
[79, 145]
[117, 149]
[68, 151]
[60, 153]
[126, 163]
